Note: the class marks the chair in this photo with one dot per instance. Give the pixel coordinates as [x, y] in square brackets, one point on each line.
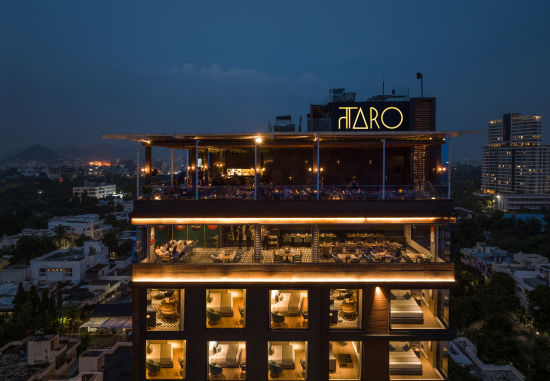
[213, 316]
[238, 257]
[215, 370]
[275, 370]
[215, 259]
[152, 368]
[277, 258]
[303, 363]
[181, 361]
[296, 258]
[336, 259]
[277, 318]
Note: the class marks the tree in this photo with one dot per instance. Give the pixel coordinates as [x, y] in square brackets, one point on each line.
[539, 307]
[460, 373]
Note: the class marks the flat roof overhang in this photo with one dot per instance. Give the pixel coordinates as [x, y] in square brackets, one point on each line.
[291, 139]
[435, 275]
[177, 212]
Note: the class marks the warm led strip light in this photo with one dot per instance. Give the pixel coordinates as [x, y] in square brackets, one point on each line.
[267, 279]
[286, 220]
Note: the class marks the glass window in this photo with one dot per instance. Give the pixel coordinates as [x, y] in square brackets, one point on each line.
[289, 309]
[419, 309]
[286, 243]
[344, 360]
[225, 308]
[346, 306]
[165, 359]
[165, 309]
[227, 360]
[287, 360]
[418, 360]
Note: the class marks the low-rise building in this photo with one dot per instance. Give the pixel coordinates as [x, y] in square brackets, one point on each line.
[482, 257]
[15, 273]
[68, 265]
[89, 225]
[509, 202]
[95, 191]
[525, 270]
[37, 358]
[464, 352]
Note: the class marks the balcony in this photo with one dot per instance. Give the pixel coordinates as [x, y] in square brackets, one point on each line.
[296, 192]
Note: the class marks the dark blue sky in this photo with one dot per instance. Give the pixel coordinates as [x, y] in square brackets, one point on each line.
[72, 70]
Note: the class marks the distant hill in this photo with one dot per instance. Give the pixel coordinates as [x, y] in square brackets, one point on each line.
[35, 152]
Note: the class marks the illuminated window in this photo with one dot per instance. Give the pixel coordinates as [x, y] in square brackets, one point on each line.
[418, 360]
[287, 360]
[165, 309]
[227, 360]
[344, 360]
[345, 308]
[225, 308]
[419, 309]
[289, 309]
[165, 359]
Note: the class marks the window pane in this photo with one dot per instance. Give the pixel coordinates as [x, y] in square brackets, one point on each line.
[227, 360]
[225, 308]
[419, 309]
[165, 309]
[289, 309]
[345, 308]
[418, 360]
[344, 360]
[165, 359]
[287, 360]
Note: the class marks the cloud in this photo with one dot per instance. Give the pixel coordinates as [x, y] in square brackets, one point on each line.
[216, 71]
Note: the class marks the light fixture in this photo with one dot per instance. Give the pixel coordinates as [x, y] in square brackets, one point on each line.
[259, 140]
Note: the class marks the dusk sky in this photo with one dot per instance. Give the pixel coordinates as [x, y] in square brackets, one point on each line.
[73, 70]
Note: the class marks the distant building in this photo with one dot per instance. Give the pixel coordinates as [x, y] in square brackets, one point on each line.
[95, 191]
[526, 269]
[68, 265]
[464, 352]
[508, 202]
[483, 257]
[89, 225]
[37, 358]
[514, 159]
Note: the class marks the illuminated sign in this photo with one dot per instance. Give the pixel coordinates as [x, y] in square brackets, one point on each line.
[370, 116]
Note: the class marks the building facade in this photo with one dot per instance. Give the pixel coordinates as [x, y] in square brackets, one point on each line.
[89, 225]
[95, 191]
[322, 259]
[514, 159]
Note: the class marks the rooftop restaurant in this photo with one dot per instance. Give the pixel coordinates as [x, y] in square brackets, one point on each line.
[391, 165]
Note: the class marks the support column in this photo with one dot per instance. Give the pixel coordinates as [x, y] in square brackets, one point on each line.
[257, 243]
[171, 167]
[449, 170]
[148, 174]
[188, 166]
[255, 169]
[433, 242]
[318, 166]
[196, 169]
[383, 169]
[315, 243]
[137, 171]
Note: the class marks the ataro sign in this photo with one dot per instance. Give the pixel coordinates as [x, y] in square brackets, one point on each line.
[370, 116]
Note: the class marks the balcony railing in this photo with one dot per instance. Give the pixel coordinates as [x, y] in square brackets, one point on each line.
[297, 192]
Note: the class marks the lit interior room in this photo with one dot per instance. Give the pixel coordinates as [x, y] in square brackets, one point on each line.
[418, 360]
[289, 309]
[165, 359]
[344, 360]
[287, 360]
[165, 309]
[227, 360]
[419, 309]
[225, 308]
[345, 308]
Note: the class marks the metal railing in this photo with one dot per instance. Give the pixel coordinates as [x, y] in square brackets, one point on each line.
[297, 192]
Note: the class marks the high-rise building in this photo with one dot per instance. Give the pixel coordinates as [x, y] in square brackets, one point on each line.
[514, 159]
[294, 256]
